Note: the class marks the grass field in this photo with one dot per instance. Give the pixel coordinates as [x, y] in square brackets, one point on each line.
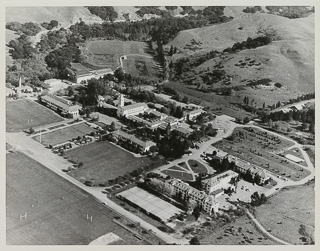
[20, 112]
[293, 207]
[311, 152]
[103, 161]
[141, 66]
[197, 167]
[222, 236]
[178, 175]
[106, 53]
[65, 134]
[59, 212]
[252, 144]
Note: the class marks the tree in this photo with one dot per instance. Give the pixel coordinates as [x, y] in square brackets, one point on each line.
[194, 241]
[185, 99]
[196, 212]
[113, 126]
[246, 120]
[80, 164]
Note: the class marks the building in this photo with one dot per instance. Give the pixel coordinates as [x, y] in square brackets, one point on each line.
[257, 173]
[154, 124]
[63, 106]
[133, 109]
[85, 74]
[183, 132]
[9, 92]
[193, 114]
[293, 158]
[140, 145]
[221, 181]
[189, 193]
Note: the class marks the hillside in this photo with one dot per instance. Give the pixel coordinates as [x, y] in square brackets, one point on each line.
[64, 15]
[289, 60]
[10, 35]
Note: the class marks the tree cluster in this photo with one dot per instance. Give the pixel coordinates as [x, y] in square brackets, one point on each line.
[251, 43]
[252, 9]
[49, 26]
[29, 28]
[104, 12]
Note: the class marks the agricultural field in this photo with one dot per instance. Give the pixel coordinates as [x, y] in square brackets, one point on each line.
[106, 53]
[103, 161]
[286, 211]
[24, 113]
[56, 209]
[236, 233]
[65, 134]
[260, 149]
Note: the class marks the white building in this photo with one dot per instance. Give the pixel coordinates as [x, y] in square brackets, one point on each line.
[61, 105]
[133, 109]
[218, 182]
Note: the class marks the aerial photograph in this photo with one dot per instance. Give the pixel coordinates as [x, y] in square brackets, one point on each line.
[160, 125]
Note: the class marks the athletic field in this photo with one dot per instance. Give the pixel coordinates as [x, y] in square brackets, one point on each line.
[65, 134]
[56, 209]
[24, 113]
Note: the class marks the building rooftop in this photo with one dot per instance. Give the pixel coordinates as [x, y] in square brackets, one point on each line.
[103, 71]
[62, 103]
[134, 139]
[133, 106]
[183, 130]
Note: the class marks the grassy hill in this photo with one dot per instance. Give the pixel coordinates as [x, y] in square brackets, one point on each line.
[288, 60]
[64, 15]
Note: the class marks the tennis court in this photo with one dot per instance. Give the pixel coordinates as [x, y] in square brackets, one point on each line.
[150, 203]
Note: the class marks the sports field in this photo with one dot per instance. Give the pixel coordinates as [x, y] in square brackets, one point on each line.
[150, 203]
[56, 209]
[141, 66]
[103, 161]
[286, 211]
[260, 148]
[24, 113]
[65, 134]
[106, 53]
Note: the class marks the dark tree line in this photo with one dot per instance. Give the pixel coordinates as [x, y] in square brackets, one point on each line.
[104, 12]
[251, 43]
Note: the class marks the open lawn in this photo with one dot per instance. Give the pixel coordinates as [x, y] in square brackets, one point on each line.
[286, 211]
[260, 149]
[230, 234]
[103, 161]
[197, 167]
[178, 175]
[56, 209]
[65, 134]
[106, 53]
[24, 113]
[311, 152]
